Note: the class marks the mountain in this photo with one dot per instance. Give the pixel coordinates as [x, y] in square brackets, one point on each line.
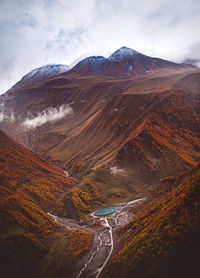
[122, 128]
[40, 74]
[30, 187]
[123, 63]
[147, 125]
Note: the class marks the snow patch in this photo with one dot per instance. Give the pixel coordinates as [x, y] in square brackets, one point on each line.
[114, 110]
[46, 71]
[115, 170]
[149, 71]
[123, 52]
[66, 173]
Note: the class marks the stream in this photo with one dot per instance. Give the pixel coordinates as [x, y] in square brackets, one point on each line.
[104, 242]
[102, 227]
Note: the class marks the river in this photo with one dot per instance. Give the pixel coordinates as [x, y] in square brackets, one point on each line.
[102, 227]
[103, 242]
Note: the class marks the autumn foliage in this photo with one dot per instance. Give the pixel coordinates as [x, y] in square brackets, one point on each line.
[164, 239]
[31, 186]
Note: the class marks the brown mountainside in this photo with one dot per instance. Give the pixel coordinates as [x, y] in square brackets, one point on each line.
[145, 125]
[30, 187]
[150, 121]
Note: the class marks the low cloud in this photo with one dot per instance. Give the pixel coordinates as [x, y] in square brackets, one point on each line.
[193, 55]
[117, 171]
[6, 116]
[49, 115]
[1, 116]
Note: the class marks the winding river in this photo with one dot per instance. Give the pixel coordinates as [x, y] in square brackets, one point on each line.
[104, 240]
[102, 226]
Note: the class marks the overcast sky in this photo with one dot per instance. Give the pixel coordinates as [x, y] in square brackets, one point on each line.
[38, 32]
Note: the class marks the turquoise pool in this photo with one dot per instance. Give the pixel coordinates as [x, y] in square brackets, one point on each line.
[107, 210]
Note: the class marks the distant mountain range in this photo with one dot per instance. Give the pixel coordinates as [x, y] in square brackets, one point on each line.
[123, 63]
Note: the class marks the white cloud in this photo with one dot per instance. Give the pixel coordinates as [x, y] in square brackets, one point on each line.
[49, 115]
[1, 116]
[193, 51]
[6, 116]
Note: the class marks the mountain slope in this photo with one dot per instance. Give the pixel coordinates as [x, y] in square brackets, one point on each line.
[136, 132]
[164, 239]
[118, 126]
[149, 122]
[30, 187]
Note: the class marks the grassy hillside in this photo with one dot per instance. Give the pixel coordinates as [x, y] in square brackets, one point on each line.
[99, 187]
[30, 186]
[163, 240]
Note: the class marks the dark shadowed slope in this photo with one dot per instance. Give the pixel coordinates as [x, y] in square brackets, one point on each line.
[31, 186]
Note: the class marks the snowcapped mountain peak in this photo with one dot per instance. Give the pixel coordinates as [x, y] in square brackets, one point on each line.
[123, 52]
[40, 74]
[47, 71]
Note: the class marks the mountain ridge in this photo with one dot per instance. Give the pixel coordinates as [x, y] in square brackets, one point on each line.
[101, 66]
[123, 63]
[99, 136]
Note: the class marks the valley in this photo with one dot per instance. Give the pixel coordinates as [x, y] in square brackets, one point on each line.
[100, 169]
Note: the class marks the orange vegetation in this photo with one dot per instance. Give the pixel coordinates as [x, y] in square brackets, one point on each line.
[164, 239]
[80, 200]
[77, 167]
[31, 186]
